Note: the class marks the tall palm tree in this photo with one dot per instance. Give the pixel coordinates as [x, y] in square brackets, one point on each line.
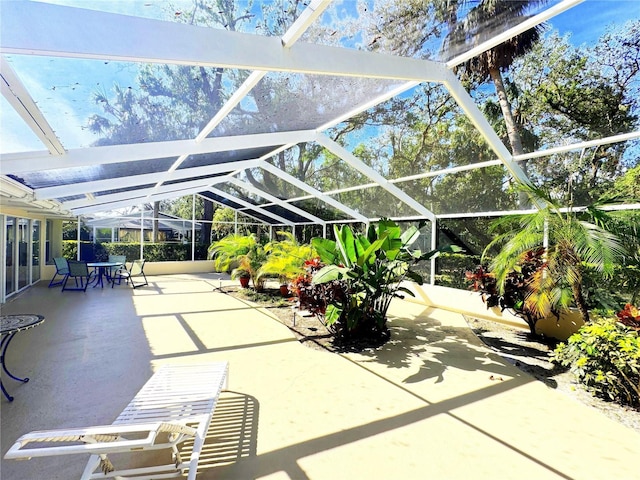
[570, 240]
[491, 63]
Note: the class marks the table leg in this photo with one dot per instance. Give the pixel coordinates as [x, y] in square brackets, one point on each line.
[99, 279]
[94, 279]
[3, 347]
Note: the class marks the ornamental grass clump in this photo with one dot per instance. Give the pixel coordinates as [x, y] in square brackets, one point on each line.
[605, 357]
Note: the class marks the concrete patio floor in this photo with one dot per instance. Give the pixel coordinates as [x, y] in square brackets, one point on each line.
[431, 403]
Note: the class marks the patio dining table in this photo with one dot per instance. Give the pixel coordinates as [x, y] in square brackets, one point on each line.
[9, 326]
[104, 271]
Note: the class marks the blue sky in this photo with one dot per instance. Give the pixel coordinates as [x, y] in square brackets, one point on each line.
[63, 88]
[588, 21]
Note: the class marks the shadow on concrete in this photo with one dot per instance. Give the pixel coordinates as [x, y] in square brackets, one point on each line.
[233, 433]
[439, 347]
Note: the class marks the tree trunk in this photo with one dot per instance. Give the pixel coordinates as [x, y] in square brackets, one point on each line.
[512, 129]
[209, 211]
[580, 301]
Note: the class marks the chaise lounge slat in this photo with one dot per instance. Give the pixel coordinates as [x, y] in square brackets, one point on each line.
[176, 404]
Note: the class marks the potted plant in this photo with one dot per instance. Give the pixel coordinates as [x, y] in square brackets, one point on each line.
[241, 275]
[251, 262]
[227, 251]
[243, 255]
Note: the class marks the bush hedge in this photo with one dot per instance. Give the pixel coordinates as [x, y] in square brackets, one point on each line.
[153, 252]
[452, 268]
[605, 357]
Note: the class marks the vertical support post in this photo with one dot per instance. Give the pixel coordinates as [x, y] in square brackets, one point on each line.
[3, 256]
[78, 240]
[235, 222]
[30, 251]
[141, 232]
[324, 231]
[113, 234]
[193, 228]
[434, 245]
[545, 245]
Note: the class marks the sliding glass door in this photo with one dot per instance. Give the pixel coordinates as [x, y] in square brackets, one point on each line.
[22, 253]
[10, 255]
[36, 255]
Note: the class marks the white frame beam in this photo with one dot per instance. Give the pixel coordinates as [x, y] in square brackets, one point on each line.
[309, 14]
[513, 31]
[312, 191]
[474, 114]
[45, 29]
[304, 21]
[204, 197]
[251, 206]
[252, 80]
[134, 201]
[135, 180]
[370, 104]
[624, 137]
[352, 160]
[144, 195]
[18, 97]
[444, 171]
[25, 162]
[256, 191]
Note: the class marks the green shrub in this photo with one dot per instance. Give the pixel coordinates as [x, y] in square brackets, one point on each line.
[610, 293]
[451, 268]
[362, 273]
[605, 357]
[89, 251]
[153, 252]
[285, 258]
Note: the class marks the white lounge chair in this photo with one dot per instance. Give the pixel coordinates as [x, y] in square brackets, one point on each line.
[175, 405]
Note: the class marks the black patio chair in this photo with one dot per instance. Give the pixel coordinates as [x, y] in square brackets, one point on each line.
[81, 275]
[62, 269]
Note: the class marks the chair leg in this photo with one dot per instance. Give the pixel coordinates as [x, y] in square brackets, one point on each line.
[117, 277]
[81, 283]
[54, 283]
[140, 284]
[64, 286]
[51, 283]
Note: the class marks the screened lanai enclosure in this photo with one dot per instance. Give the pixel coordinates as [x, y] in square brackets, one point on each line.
[298, 115]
